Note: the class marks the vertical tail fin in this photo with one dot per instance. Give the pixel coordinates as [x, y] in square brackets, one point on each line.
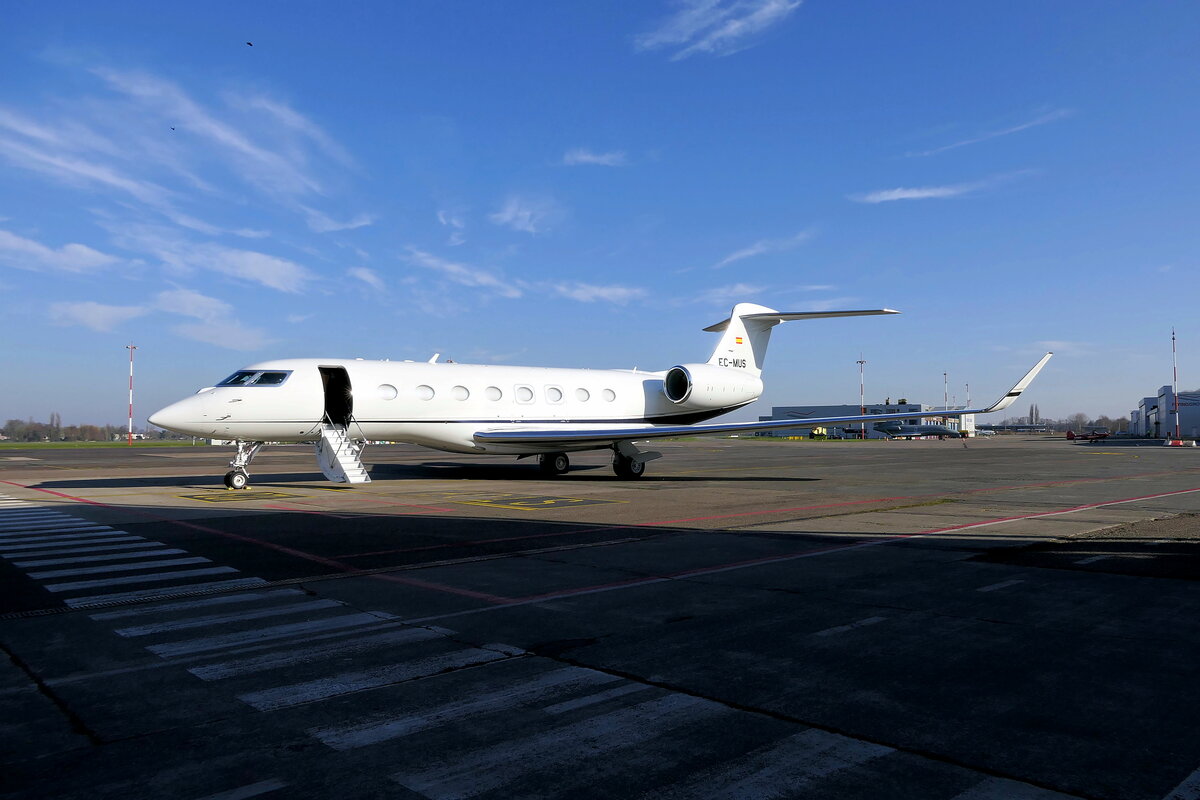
[747, 332]
[744, 340]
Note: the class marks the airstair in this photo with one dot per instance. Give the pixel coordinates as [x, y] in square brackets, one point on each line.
[338, 455]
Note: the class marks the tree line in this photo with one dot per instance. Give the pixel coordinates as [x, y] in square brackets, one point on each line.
[22, 430]
[1077, 422]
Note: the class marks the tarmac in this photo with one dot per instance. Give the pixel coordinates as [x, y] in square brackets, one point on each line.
[1011, 617]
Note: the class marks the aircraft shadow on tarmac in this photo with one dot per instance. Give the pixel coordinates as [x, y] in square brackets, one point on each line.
[401, 472]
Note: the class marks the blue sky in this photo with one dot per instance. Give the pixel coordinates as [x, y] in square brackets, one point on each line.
[590, 184]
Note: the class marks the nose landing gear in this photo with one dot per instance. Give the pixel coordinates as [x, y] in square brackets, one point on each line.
[238, 477]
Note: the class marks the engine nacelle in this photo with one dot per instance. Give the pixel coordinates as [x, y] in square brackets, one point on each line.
[709, 386]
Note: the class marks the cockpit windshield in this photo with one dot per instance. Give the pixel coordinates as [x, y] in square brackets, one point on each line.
[245, 377]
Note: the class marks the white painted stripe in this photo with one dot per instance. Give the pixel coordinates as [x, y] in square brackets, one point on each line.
[204, 602]
[594, 699]
[1004, 789]
[16, 529]
[288, 658]
[173, 649]
[1001, 585]
[1188, 790]
[498, 766]
[221, 619]
[347, 682]
[532, 692]
[250, 790]
[843, 628]
[124, 537]
[96, 549]
[786, 768]
[142, 594]
[1093, 559]
[16, 517]
[153, 577]
[100, 570]
[47, 562]
[66, 537]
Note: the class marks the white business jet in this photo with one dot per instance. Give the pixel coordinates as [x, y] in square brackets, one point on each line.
[340, 404]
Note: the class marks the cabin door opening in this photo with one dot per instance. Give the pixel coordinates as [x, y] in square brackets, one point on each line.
[339, 401]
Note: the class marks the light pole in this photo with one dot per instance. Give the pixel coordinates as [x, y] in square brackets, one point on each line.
[130, 348]
[862, 406]
[1175, 381]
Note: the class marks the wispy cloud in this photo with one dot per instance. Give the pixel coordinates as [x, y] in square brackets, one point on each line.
[916, 193]
[581, 156]
[214, 323]
[935, 192]
[455, 222]
[322, 223]
[764, 246]
[191, 303]
[1042, 119]
[715, 27]
[184, 257]
[22, 253]
[588, 293]
[725, 295]
[462, 274]
[1065, 348]
[97, 316]
[526, 214]
[271, 168]
[367, 276]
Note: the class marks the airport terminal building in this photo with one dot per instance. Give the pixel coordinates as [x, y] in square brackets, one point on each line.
[921, 414]
[1155, 416]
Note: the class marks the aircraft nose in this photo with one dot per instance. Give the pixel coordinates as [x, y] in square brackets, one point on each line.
[174, 417]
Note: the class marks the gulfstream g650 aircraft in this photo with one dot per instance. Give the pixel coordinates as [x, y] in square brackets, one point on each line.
[340, 404]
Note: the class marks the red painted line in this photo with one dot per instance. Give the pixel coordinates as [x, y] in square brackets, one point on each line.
[1057, 513]
[823, 550]
[338, 565]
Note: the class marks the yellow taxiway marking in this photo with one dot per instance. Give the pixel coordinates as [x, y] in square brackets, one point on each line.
[525, 502]
[225, 496]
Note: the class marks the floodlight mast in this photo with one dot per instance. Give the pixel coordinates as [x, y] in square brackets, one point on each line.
[862, 408]
[1175, 381]
[130, 348]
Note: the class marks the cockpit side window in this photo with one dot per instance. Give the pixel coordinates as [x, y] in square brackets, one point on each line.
[246, 377]
[239, 378]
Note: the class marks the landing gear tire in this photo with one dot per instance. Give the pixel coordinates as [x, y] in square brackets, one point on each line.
[626, 467]
[236, 480]
[554, 463]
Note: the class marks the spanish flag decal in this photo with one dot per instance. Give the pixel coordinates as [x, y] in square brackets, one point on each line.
[737, 340]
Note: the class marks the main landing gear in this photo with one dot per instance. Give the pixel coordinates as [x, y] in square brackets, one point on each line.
[628, 462]
[553, 463]
[238, 477]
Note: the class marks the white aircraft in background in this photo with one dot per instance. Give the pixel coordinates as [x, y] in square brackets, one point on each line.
[340, 404]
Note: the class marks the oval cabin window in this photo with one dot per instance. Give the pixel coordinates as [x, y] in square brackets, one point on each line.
[493, 393]
[554, 394]
[609, 395]
[424, 392]
[582, 395]
[460, 393]
[386, 391]
[524, 394]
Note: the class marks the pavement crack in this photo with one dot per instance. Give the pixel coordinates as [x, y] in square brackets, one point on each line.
[76, 721]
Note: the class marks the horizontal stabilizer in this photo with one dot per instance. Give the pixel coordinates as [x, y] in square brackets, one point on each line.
[781, 316]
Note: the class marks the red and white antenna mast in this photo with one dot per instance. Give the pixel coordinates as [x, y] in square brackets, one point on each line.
[130, 348]
[862, 408]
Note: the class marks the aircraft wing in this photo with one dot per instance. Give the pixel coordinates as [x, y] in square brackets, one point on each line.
[601, 435]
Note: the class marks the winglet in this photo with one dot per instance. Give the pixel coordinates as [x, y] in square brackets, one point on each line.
[1022, 385]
